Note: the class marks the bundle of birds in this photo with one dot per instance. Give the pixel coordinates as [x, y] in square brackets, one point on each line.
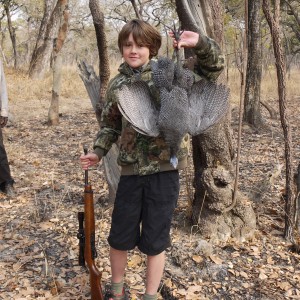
[186, 106]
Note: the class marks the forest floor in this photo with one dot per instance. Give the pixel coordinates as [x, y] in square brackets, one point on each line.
[38, 237]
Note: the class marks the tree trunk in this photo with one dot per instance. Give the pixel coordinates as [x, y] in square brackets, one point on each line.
[40, 63]
[213, 153]
[12, 34]
[91, 82]
[53, 113]
[252, 113]
[104, 73]
[48, 7]
[290, 199]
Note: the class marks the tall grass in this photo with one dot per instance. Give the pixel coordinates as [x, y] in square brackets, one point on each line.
[268, 85]
[22, 88]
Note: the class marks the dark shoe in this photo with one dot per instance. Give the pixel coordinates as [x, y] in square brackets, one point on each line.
[108, 294]
[9, 190]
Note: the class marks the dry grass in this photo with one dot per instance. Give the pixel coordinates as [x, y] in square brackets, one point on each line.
[31, 98]
[268, 87]
[23, 88]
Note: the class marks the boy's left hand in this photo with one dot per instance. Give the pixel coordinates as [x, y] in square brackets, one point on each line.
[187, 39]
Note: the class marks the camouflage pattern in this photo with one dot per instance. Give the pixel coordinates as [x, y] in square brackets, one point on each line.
[210, 59]
[144, 153]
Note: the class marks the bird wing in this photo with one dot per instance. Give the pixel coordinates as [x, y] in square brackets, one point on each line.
[208, 103]
[136, 106]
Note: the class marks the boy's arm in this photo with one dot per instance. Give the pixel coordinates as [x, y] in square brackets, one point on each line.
[111, 126]
[210, 59]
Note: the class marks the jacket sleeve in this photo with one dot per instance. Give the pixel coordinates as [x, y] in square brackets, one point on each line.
[210, 59]
[3, 93]
[111, 126]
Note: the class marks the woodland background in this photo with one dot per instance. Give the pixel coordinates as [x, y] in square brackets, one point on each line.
[38, 243]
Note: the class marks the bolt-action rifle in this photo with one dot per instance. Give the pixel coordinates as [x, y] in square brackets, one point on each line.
[86, 236]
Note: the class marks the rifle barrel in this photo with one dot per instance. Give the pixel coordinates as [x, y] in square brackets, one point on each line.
[86, 174]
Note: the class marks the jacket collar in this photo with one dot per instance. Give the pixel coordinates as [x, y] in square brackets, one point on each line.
[127, 70]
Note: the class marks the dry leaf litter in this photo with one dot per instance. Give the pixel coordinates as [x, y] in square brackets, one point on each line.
[38, 243]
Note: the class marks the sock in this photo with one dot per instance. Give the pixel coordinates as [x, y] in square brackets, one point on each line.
[150, 297]
[117, 288]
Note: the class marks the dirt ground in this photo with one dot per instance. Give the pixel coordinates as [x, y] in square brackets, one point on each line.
[38, 237]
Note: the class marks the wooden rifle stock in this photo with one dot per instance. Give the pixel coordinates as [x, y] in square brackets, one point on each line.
[89, 240]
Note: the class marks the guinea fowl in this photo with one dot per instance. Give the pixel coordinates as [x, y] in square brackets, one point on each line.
[186, 106]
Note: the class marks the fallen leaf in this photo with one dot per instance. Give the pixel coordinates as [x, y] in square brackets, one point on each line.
[197, 258]
[244, 274]
[134, 261]
[284, 285]
[262, 276]
[217, 260]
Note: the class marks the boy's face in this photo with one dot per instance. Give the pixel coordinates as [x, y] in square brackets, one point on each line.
[134, 54]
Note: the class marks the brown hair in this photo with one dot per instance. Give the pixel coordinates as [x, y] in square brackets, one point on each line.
[142, 33]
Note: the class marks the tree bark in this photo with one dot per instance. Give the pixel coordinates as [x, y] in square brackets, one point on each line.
[290, 199]
[53, 113]
[213, 153]
[12, 34]
[252, 112]
[270, 109]
[91, 82]
[104, 71]
[48, 7]
[40, 63]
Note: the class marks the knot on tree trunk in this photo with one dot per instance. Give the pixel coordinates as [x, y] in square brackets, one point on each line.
[218, 185]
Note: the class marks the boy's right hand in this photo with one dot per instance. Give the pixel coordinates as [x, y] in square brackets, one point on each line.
[88, 160]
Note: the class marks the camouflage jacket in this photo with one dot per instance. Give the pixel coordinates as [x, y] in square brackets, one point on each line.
[140, 154]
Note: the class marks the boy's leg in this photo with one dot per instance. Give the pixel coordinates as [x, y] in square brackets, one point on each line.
[161, 194]
[155, 268]
[118, 262]
[125, 230]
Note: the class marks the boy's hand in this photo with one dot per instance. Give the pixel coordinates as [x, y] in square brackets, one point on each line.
[187, 39]
[88, 160]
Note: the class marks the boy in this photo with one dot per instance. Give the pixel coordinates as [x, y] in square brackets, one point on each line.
[149, 186]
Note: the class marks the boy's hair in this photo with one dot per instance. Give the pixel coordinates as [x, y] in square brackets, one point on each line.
[143, 33]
